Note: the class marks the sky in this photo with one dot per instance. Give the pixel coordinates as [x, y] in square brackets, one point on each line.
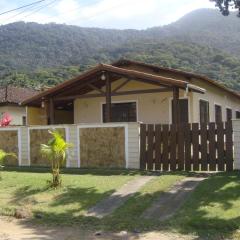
[120, 14]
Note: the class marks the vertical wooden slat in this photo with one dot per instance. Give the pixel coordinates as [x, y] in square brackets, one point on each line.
[173, 142]
[229, 146]
[212, 147]
[220, 147]
[188, 141]
[175, 106]
[165, 147]
[195, 141]
[143, 138]
[180, 157]
[150, 137]
[203, 134]
[158, 147]
[108, 100]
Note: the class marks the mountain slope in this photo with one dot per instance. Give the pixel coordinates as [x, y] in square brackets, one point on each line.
[203, 41]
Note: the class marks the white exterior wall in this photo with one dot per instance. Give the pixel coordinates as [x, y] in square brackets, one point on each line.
[16, 112]
[214, 96]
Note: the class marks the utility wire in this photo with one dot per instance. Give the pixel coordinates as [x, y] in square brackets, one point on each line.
[19, 13]
[40, 8]
[37, 9]
[24, 6]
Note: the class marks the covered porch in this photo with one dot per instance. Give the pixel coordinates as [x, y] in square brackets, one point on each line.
[115, 92]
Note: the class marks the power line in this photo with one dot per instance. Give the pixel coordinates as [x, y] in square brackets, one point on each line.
[19, 13]
[37, 9]
[40, 8]
[24, 6]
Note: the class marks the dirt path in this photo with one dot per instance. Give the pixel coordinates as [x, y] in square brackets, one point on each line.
[109, 204]
[169, 202]
[12, 229]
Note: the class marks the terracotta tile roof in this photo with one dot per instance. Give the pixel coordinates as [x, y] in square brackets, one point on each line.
[133, 74]
[124, 62]
[15, 95]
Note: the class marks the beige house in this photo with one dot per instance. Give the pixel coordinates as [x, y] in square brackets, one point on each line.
[129, 91]
[10, 99]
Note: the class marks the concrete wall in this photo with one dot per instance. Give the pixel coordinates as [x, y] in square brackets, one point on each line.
[36, 116]
[214, 96]
[151, 108]
[28, 142]
[16, 112]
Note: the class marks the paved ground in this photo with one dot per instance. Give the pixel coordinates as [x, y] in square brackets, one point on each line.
[12, 229]
[169, 202]
[109, 204]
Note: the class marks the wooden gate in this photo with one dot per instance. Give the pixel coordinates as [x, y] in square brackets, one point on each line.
[189, 147]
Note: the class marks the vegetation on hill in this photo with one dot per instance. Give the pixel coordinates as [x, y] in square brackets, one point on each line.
[34, 55]
[190, 57]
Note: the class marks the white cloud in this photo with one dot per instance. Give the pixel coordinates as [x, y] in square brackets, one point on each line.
[117, 14]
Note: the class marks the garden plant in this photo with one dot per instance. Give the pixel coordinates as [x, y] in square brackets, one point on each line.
[55, 151]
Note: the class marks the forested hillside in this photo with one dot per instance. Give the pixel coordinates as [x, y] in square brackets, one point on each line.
[203, 41]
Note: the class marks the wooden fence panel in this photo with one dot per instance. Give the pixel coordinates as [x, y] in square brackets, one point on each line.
[165, 147]
[143, 145]
[220, 147]
[187, 147]
[204, 147]
[173, 147]
[150, 142]
[195, 143]
[158, 147]
[212, 147]
[180, 149]
[229, 146]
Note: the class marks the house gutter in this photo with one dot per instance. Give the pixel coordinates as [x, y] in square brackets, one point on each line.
[195, 89]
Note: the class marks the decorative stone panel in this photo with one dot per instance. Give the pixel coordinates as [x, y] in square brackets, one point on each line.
[9, 143]
[38, 137]
[102, 147]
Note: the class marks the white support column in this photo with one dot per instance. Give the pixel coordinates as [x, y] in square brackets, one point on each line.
[72, 136]
[23, 145]
[236, 143]
[132, 139]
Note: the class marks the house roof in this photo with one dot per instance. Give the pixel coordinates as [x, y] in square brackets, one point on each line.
[133, 74]
[15, 95]
[188, 75]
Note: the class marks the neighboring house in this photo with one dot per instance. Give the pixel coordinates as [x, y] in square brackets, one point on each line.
[129, 91]
[10, 98]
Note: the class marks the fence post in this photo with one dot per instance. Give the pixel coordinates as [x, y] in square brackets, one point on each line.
[72, 136]
[23, 146]
[132, 145]
[236, 143]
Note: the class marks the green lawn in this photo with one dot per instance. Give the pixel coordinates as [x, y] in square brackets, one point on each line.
[211, 212]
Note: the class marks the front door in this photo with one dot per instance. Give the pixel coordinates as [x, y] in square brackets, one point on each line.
[183, 107]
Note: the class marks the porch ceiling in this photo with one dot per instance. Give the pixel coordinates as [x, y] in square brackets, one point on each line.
[85, 83]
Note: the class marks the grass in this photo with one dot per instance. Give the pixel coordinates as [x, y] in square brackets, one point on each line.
[67, 205]
[211, 212]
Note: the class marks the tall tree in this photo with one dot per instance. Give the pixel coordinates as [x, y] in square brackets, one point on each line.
[224, 6]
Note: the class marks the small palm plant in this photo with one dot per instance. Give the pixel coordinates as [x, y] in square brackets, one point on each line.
[3, 156]
[55, 151]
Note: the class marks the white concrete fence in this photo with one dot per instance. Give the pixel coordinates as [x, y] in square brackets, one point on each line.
[72, 134]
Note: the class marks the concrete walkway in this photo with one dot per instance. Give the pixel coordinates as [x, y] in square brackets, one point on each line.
[169, 202]
[111, 203]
